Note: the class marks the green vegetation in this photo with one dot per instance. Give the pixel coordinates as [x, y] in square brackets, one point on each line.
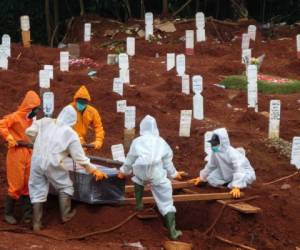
[240, 82]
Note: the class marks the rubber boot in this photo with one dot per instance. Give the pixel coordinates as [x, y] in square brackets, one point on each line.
[37, 216]
[66, 212]
[171, 225]
[26, 208]
[138, 192]
[9, 206]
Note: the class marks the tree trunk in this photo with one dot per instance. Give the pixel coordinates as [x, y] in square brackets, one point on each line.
[82, 11]
[142, 9]
[48, 25]
[56, 12]
[165, 8]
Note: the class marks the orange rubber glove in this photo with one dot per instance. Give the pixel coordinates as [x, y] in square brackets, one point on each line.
[179, 175]
[195, 181]
[235, 192]
[11, 141]
[98, 174]
[97, 144]
[121, 175]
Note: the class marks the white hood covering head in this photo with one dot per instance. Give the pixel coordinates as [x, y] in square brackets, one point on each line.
[223, 137]
[148, 126]
[67, 116]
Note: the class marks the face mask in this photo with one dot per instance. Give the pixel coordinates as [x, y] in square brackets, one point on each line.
[80, 106]
[215, 149]
[33, 113]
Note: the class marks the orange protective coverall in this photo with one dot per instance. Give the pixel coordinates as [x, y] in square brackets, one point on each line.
[89, 118]
[18, 158]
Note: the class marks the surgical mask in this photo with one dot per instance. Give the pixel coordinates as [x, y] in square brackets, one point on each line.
[215, 149]
[80, 106]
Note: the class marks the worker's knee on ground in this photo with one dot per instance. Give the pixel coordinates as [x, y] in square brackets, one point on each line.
[214, 181]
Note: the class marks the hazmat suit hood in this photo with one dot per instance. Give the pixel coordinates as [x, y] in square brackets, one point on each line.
[67, 116]
[223, 137]
[148, 126]
[30, 101]
[83, 93]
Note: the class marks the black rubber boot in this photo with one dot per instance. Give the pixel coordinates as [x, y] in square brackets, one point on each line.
[9, 207]
[37, 216]
[66, 212]
[171, 225]
[26, 208]
[138, 192]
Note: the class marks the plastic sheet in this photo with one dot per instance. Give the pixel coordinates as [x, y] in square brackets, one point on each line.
[88, 190]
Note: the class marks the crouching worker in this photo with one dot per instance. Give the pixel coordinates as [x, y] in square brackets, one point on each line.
[226, 165]
[54, 140]
[150, 160]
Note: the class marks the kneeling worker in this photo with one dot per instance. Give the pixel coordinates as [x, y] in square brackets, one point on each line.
[150, 160]
[87, 116]
[54, 140]
[226, 165]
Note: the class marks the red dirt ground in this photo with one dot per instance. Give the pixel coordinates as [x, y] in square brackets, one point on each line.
[158, 93]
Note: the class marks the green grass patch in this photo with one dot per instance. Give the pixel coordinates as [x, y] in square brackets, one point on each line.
[240, 82]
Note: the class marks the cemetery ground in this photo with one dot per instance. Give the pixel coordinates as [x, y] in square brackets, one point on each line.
[157, 92]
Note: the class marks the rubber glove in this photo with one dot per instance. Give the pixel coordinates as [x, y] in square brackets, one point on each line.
[179, 175]
[97, 144]
[121, 175]
[11, 141]
[235, 192]
[195, 181]
[98, 174]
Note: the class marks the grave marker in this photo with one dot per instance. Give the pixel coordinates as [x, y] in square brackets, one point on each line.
[274, 119]
[252, 32]
[180, 64]
[44, 79]
[246, 56]
[117, 152]
[198, 112]
[6, 44]
[189, 42]
[25, 27]
[197, 84]
[124, 75]
[87, 32]
[48, 103]
[121, 106]
[118, 86]
[64, 61]
[49, 68]
[123, 61]
[245, 41]
[130, 114]
[130, 46]
[185, 123]
[185, 82]
[200, 35]
[170, 61]
[295, 156]
[3, 59]
[298, 46]
[148, 25]
[252, 87]
[200, 20]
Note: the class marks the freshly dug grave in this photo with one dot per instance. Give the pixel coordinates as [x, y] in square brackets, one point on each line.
[158, 93]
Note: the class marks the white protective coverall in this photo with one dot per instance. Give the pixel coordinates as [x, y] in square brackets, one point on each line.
[150, 160]
[227, 166]
[54, 141]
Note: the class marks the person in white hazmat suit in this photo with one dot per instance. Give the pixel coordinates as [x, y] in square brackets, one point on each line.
[150, 160]
[54, 140]
[226, 165]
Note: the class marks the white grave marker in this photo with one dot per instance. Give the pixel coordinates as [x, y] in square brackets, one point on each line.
[148, 31]
[189, 42]
[49, 68]
[149, 18]
[198, 112]
[252, 32]
[295, 157]
[274, 119]
[130, 46]
[130, 114]
[123, 61]
[48, 103]
[121, 106]
[6, 43]
[298, 46]
[252, 87]
[117, 152]
[87, 32]
[3, 61]
[185, 82]
[44, 79]
[197, 84]
[124, 75]
[246, 56]
[64, 61]
[118, 86]
[245, 41]
[200, 35]
[200, 20]
[180, 64]
[25, 24]
[170, 61]
[185, 123]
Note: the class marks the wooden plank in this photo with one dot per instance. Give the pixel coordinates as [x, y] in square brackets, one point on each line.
[175, 185]
[187, 197]
[242, 207]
